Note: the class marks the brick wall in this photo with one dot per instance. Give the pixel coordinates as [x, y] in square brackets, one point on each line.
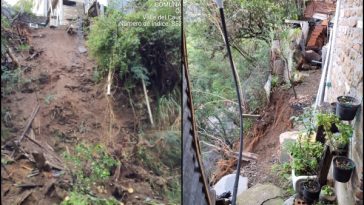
[346, 75]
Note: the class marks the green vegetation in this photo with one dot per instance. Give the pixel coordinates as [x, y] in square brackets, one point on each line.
[149, 54]
[11, 80]
[76, 198]
[160, 153]
[327, 190]
[4, 42]
[308, 120]
[24, 6]
[136, 53]
[23, 47]
[251, 25]
[306, 156]
[48, 98]
[283, 171]
[337, 140]
[90, 164]
[169, 111]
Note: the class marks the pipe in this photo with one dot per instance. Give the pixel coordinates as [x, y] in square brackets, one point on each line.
[328, 78]
[238, 92]
[325, 76]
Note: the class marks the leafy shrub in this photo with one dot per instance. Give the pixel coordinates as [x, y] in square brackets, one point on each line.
[342, 138]
[150, 53]
[76, 198]
[24, 6]
[327, 190]
[305, 156]
[308, 120]
[283, 172]
[90, 164]
[164, 146]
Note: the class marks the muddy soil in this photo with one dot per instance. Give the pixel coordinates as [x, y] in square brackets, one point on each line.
[264, 136]
[73, 109]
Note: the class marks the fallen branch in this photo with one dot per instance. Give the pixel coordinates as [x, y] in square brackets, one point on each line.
[147, 102]
[34, 55]
[29, 185]
[12, 56]
[29, 123]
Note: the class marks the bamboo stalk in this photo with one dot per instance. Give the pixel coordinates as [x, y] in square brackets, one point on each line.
[147, 102]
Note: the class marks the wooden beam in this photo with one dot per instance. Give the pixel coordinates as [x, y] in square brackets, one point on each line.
[325, 166]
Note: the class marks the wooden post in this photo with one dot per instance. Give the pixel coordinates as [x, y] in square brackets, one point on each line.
[147, 102]
[108, 92]
[325, 166]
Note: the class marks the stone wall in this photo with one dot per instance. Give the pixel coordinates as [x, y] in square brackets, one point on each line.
[346, 75]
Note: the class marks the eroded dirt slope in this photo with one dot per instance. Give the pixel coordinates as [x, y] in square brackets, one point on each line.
[73, 109]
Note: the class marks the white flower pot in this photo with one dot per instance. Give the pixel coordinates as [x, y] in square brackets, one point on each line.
[296, 180]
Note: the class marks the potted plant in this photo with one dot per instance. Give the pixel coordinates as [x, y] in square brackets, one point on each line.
[340, 141]
[336, 133]
[327, 195]
[326, 125]
[311, 190]
[305, 158]
[343, 168]
[346, 107]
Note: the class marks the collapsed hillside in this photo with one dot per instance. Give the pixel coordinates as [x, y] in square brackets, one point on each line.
[66, 141]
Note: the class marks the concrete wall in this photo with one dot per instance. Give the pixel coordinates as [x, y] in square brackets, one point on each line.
[346, 78]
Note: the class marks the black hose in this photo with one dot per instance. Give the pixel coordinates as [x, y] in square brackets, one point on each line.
[237, 85]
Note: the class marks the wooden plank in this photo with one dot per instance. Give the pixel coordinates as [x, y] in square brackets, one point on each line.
[325, 166]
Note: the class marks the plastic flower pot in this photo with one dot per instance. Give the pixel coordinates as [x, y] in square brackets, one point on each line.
[298, 180]
[311, 190]
[343, 168]
[346, 107]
